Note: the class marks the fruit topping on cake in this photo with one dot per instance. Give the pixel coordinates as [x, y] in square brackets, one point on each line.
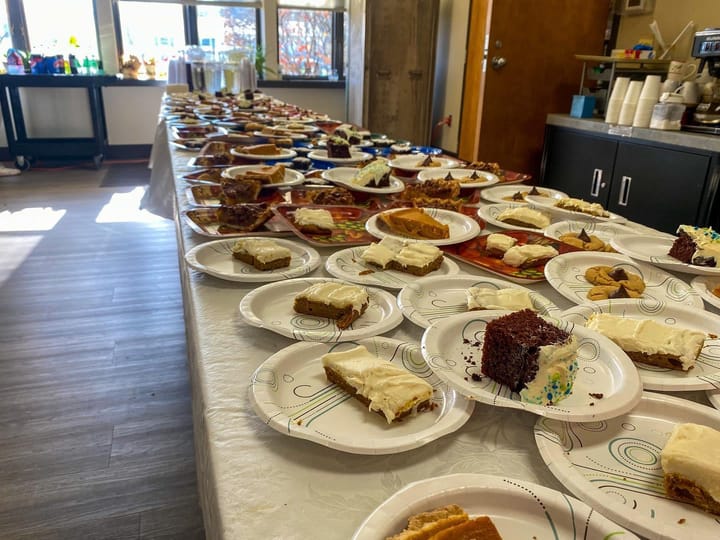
[262, 253]
[497, 244]
[529, 255]
[415, 223]
[448, 523]
[313, 221]
[530, 356]
[578, 205]
[613, 282]
[690, 462]
[417, 258]
[650, 342]
[697, 245]
[374, 175]
[479, 298]
[382, 386]
[523, 216]
[342, 302]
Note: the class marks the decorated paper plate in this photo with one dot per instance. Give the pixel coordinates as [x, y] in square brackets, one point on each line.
[462, 227]
[271, 307]
[490, 212]
[504, 194]
[474, 252]
[549, 205]
[215, 258]
[434, 298]
[283, 153]
[705, 285]
[355, 157]
[348, 265]
[714, 398]
[291, 394]
[343, 176]
[349, 225]
[518, 509]
[605, 231]
[209, 195]
[614, 466]
[414, 162]
[706, 373]
[567, 276]
[654, 249]
[466, 177]
[607, 383]
[291, 178]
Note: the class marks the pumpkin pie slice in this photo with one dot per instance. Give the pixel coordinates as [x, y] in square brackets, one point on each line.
[415, 223]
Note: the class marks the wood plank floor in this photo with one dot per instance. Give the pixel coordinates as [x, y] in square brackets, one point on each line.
[95, 425]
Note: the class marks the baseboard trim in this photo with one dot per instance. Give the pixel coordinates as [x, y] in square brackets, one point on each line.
[115, 151]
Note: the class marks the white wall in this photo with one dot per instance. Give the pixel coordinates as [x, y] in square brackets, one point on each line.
[330, 101]
[131, 113]
[449, 70]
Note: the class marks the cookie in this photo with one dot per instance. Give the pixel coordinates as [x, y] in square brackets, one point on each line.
[593, 244]
[613, 283]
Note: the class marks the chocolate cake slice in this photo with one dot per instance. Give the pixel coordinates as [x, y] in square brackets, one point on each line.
[531, 356]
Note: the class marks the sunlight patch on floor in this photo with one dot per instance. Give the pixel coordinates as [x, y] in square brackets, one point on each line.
[125, 208]
[15, 249]
[30, 219]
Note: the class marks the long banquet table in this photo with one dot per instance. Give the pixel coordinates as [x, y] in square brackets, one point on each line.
[255, 482]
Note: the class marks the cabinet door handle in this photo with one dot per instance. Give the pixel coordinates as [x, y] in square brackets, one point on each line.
[624, 191]
[596, 181]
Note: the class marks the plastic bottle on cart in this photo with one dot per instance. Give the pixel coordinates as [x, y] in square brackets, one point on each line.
[15, 64]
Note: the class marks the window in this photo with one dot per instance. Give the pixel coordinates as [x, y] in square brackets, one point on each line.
[151, 32]
[5, 38]
[305, 42]
[51, 25]
[222, 29]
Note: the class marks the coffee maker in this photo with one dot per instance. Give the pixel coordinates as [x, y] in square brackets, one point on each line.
[706, 47]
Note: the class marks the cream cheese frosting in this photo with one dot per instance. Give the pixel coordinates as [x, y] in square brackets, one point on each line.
[557, 368]
[417, 254]
[371, 173]
[578, 205]
[404, 253]
[382, 253]
[693, 452]
[525, 215]
[485, 298]
[649, 337]
[339, 295]
[389, 388]
[314, 216]
[264, 250]
[519, 255]
[707, 242]
[500, 242]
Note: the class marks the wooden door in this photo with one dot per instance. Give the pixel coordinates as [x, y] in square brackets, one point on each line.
[399, 64]
[504, 108]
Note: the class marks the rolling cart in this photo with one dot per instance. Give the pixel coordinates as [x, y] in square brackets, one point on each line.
[26, 150]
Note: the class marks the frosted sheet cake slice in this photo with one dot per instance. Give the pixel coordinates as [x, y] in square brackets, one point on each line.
[342, 302]
[382, 386]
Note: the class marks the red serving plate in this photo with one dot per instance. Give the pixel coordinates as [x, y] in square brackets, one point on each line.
[474, 252]
[349, 225]
[209, 195]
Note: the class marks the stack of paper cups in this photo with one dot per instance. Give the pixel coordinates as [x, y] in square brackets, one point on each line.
[648, 98]
[616, 100]
[627, 111]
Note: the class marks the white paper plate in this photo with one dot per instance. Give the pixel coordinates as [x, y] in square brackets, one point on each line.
[215, 259]
[614, 466]
[490, 212]
[291, 178]
[549, 205]
[518, 509]
[603, 230]
[284, 154]
[355, 157]
[433, 298]
[462, 227]
[566, 273]
[348, 265]
[291, 394]
[344, 176]
[714, 397]
[497, 194]
[410, 162]
[654, 249]
[704, 285]
[706, 373]
[486, 178]
[271, 307]
[452, 348]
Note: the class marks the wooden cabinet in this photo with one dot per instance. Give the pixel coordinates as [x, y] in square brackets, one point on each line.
[658, 185]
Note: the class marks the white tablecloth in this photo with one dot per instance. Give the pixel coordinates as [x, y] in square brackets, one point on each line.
[255, 482]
